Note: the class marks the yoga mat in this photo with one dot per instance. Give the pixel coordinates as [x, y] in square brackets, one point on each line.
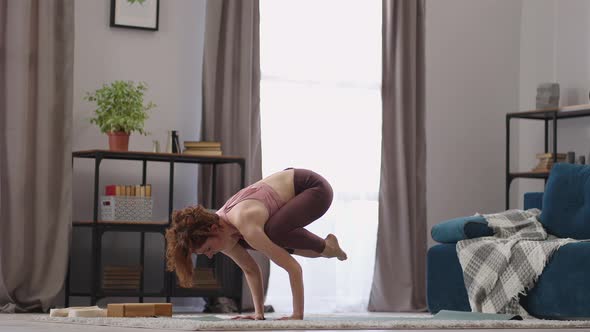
[441, 315]
[466, 315]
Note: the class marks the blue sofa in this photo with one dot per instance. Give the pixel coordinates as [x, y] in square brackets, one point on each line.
[563, 289]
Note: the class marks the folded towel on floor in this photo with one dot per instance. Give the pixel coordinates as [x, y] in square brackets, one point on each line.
[93, 311]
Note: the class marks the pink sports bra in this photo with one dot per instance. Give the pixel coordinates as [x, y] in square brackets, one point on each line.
[259, 191]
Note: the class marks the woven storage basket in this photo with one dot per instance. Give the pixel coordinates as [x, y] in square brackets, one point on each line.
[126, 208]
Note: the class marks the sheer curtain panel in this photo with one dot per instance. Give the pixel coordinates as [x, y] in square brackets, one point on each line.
[231, 102]
[399, 283]
[321, 110]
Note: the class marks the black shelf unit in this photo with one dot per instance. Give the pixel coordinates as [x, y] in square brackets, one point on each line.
[229, 273]
[546, 115]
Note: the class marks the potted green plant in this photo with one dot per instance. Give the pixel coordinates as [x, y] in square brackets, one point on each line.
[120, 110]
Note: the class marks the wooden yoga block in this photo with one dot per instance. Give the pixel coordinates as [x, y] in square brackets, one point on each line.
[139, 309]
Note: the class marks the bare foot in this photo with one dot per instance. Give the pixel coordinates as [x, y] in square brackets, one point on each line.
[333, 248]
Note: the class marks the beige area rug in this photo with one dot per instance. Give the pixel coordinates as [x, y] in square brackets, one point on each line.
[198, 322]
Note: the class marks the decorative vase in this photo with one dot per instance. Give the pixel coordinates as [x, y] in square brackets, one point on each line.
[118, 141]
[547, 95]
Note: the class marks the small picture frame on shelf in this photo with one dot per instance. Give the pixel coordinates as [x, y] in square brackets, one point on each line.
[135, 14]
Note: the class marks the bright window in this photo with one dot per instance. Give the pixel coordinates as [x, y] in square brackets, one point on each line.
[321, 110]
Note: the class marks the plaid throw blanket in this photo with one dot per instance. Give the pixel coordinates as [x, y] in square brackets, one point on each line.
[498, 268]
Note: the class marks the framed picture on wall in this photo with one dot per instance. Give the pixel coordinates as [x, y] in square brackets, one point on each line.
[135, 14]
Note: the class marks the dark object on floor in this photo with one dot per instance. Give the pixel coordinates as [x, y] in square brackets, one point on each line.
[220, 305]
[227, 305]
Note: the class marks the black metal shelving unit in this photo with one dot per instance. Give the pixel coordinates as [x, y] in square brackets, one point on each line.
[546, 115]
[229, 274]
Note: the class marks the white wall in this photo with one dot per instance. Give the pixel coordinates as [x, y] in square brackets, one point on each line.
[537, 60]
[170, 62]
[472, 75]
[484, 59]
[555, 47]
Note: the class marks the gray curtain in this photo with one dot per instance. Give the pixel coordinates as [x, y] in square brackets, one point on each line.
[400, 263]
[36, 75]
[231, 102]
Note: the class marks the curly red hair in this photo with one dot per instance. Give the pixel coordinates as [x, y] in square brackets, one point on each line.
[189, 229]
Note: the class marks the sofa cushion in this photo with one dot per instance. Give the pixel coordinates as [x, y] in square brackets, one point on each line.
[563, 291]
[445, 287]
[533, 201]
[458, 229]
[566, 202]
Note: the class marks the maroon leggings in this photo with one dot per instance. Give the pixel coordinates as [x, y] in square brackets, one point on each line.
[313, 196]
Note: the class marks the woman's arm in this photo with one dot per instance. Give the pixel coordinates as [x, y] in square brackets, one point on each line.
[253, 276]
[259, 240]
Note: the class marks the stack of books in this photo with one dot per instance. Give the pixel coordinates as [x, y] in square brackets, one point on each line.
[202, 148]
[121, 277]
[204, 278]
[546, 161]
[128, 190]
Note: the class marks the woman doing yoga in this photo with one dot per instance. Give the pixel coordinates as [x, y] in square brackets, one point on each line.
[268, 216]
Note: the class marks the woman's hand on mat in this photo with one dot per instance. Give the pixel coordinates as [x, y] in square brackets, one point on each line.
[292, 317]
[251, 317]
